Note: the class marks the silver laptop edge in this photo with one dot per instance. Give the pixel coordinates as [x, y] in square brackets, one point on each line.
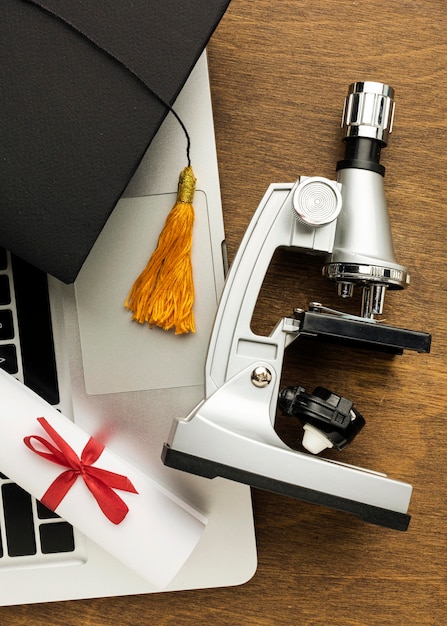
[135, 423]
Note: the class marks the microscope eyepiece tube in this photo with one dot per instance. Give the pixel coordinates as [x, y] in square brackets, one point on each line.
[362, 153]
[363, 253]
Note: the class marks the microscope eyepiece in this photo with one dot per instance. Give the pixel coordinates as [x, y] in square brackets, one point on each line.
[367, 122]
[369, 111]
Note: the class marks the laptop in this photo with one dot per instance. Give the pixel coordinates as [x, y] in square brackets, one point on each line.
[118, 377]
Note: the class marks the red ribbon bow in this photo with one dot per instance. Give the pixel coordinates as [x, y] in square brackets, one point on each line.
[99, 481]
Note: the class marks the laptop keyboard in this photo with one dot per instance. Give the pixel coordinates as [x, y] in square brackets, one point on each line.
[29, 532]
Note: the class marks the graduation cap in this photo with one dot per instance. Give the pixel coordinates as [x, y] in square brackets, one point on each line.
[84, 88]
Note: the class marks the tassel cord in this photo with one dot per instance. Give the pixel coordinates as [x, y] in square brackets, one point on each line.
[124, 65]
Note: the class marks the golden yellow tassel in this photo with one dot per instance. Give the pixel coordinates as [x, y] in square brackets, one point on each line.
[163, 294]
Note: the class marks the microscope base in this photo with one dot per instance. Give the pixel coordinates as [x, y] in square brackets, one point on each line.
[200, 447]
[210, 469]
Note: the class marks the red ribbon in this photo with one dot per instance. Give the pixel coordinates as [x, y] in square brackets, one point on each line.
[99, 481]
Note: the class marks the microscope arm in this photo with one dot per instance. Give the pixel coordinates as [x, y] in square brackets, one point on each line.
[273, 225]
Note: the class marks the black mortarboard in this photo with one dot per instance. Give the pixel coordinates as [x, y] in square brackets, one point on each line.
[76, 114]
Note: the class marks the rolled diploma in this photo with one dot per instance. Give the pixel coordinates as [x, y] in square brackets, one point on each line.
[159, 532]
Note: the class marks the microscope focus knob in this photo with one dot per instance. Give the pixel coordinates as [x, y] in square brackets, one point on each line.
[316, 201]
[329, 420]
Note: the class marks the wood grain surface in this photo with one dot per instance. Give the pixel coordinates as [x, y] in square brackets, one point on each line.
[279, 72]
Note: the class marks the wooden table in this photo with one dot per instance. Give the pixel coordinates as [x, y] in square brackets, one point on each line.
[279, 72]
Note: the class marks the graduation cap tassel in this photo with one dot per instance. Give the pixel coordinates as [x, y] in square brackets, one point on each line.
[163, 294]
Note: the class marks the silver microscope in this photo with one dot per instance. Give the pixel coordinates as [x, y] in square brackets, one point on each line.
[231, 432]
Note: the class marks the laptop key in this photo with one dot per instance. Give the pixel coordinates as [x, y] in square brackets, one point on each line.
[8, 358]
[44, 512]
[56, 537]
[36, 335]
[3, 259]
[5, 291]
[19, 523]
[6, 324]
